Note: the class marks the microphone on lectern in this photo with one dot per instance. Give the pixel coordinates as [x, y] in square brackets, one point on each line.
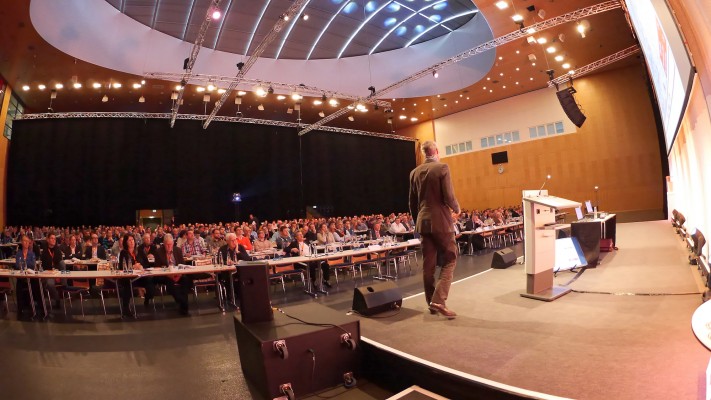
[548, 177]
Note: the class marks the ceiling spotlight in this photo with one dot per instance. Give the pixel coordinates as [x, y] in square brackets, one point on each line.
[117, 85]
[136, 85]
[531, 57]
[143, 82]
[559, 58]
[333, 102]
[240, 65]
[317, 102]
[403, 117]
[25, 87]
[502, 5]
[581, 28]
[174, 96]
[531, 40]
[571, 72]
[550, 73]
[413, 119]
[305, 17]
[321, 114]
[41, 87]
[221, 91]
[216, 14]
[77, 85]
[561, 37]
[59, 86]
[566, 65]
[281, 97]
[210, 87]
[296, 96]
[360, 107]
[542, 40]
[435, 74]
[551, 49]
[270, 90]
[178, 87]
[105, 99]
[206, 98]
[96, 85]
[531, 30]
[542, 14]
[517, 18]
[260, 107]
[241, 93]
[285, 17]
[200, 89]
[141, 99]
[350, 118]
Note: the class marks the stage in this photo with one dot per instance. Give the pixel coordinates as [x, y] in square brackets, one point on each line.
[583, 345]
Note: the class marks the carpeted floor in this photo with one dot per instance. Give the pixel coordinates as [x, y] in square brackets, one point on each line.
[586, 346]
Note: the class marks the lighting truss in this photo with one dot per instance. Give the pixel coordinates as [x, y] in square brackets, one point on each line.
[302, 89]
[291, 12]
[193, 57]
[510, 37]
[603, 62]
[200, 117]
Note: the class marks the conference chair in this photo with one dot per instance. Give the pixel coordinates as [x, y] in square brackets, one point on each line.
[79, 288]
[5, 290]
[287, 271]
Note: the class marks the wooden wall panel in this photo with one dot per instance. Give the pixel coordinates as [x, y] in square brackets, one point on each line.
[617, 149]
[4, 147]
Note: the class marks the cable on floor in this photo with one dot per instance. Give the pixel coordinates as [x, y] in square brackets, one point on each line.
[636, 294]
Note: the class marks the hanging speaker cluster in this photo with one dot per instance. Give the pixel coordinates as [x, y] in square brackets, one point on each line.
[567, 101]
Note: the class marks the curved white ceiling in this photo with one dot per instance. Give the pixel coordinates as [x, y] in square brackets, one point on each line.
[96, 32]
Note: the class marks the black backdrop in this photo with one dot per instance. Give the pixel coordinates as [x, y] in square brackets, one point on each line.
[100, 171]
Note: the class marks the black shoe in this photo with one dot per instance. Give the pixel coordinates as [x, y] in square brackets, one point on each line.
[328, 285]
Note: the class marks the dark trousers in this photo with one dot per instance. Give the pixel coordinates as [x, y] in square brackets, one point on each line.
[312, 269]
[442, 243]
[124, 288]
[179, 290]
[22, 290]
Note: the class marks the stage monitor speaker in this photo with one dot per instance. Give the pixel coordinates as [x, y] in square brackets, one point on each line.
[374, 299]
[254, 301]
[567, 101]
[503, 259]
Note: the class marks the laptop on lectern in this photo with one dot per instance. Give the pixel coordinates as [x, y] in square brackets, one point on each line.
[588, 206]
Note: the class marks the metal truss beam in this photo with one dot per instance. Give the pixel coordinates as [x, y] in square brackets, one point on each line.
[603, 62]
[510, 37]
[193, 57]
[199, 117]
[287, 87]
[291, 12]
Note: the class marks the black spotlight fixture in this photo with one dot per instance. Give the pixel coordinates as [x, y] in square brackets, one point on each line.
[183, 83]
[270, 90]
[372, 91]
[323, 98]
[185, 63]
[240, 65]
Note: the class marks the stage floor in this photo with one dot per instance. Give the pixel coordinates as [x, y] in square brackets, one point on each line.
[584, 345]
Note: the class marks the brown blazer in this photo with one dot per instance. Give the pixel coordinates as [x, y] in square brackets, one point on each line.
[162, 258]
[432, 197]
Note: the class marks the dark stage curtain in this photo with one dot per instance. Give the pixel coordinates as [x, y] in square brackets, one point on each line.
[100, 171]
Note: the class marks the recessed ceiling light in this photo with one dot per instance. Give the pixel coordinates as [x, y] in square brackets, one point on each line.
[96, 85]
[59, 86]
[221, 91]
[117, 85]
[501, 58]
[143, 82]
[517, 18]
[141, 99]
[403, 117]
[414, 104]
[484, 88]
[260, 107]
[318, 102]
[531, 30]
[559, 58]
[504, 87]
[531, 78]
[533, 64]
[403, 109]
[551, 49]
[502, 5]
[136, 85]
[77, 85]
[467, 98]
[216, 14]
[517, 68]
[571, 72]
[445, 105]
[566, 66]
[200, 89]
[241, 93]
[518, 52]
[413, 119]
[427, 99]
[281, 97]
[25, 87]
[542, 40]
[517, 83]
[531, 40]
[41, 87]
[456, 102]
[501, 74]
[491, 91]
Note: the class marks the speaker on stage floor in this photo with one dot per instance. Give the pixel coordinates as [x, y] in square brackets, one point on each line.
[567, 101]
[503, 259]
[255, 305]
[374, 299]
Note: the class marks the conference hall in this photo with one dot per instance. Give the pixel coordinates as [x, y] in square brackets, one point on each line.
[355, 199]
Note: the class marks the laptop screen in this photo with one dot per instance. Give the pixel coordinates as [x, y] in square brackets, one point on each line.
[588, 206]
[579, 213]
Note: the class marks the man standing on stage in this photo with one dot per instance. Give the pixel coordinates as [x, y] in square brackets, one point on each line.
[431, 203]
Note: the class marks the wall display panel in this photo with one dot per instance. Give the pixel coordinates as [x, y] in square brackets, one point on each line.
[100, 171]
[669, 65]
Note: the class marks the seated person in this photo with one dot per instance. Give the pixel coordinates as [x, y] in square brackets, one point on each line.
[94, 250]
[261, 244]
[52, 260]
[284, 238]
[377, 232]
[128, 259]
[146, 254]
[192, 247]
[72, 249]
[336, 236]
[397, 227]
[299, 247]
[25, 258]
[324, 236]
[214, 241]
[243, 240]
[178, 286]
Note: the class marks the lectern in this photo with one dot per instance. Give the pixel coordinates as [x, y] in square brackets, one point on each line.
[540, 230]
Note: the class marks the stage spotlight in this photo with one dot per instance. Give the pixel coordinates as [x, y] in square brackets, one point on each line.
[350, 118]
[240, 65]
[372, 90]
[216, 14]
[41, 87]
[435, 74]
[270, 90]
[321, 114]
[333, 102]
[141, 99]
[25, 87]
[210, 87]
[305, 17]
[260, 107]
[105, 99]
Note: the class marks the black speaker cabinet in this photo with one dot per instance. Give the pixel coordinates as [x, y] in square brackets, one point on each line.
[253, 278]
[374, 299]
[567, 101]
[588, 235]
[307, 358]
[503, 259]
